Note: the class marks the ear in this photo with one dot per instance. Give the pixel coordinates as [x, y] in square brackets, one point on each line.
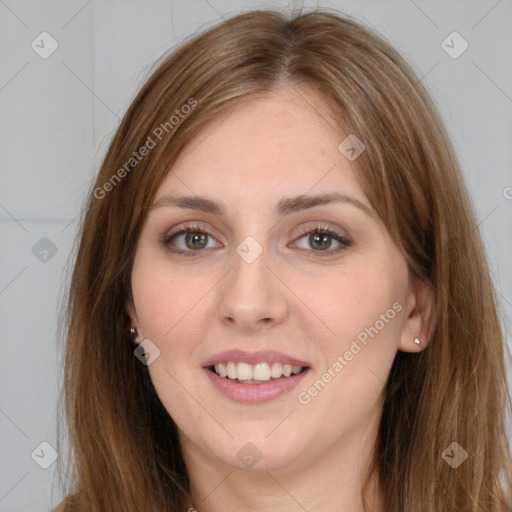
[134, 322]
[419, 317]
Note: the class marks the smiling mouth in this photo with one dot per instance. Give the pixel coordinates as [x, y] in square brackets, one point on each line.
[260, 373]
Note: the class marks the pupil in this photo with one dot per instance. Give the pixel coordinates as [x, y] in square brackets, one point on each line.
[193, 237]
[323, 239]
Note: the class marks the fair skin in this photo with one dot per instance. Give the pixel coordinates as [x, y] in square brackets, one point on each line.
[301, 296]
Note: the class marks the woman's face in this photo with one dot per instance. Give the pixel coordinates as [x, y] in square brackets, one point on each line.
[287, 268]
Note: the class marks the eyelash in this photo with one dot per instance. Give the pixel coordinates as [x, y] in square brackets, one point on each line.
[317, 229]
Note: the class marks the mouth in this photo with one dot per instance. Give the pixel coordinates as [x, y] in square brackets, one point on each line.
[255, 377]
[255, 383]
[260, 373]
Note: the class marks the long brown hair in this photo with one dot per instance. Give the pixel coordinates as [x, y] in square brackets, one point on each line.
[124, 452]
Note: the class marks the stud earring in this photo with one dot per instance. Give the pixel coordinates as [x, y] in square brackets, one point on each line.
[417, 341]
[135, 335]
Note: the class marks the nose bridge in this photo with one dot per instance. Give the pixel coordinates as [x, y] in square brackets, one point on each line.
[251, 291]
[250, 272]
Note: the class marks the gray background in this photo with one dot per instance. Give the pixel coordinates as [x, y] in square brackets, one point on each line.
[58, 114]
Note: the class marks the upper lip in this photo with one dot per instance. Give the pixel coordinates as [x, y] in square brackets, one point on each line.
[263, 356]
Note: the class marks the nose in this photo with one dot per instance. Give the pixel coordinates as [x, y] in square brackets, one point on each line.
[252, 296]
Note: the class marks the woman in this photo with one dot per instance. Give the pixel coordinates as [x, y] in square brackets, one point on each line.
[280, 299]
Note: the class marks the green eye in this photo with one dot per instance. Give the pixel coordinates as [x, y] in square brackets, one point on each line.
[196, 239]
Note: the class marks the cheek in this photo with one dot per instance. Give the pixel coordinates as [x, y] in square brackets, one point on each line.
[169, 310]
[348, 302]
[165, 299]
[363, 312]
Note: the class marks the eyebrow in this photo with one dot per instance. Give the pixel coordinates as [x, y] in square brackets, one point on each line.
[285, 206]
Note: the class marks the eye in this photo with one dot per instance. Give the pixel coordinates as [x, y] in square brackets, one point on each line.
[320, 238]
[195, 238]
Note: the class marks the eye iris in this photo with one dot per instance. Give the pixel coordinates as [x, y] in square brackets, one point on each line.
[193, 237]
[323, 239]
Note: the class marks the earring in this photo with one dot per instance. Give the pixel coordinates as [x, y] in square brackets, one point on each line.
[417, 341]
[135, 336]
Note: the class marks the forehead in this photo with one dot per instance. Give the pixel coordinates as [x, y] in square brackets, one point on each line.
[283, 143]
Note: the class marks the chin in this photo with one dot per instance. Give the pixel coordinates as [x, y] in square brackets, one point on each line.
[257, 452]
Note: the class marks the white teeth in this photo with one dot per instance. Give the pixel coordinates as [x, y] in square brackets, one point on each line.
[260, 372]
[231, 370]
[244, 371]
[277, 370]
[220, 369]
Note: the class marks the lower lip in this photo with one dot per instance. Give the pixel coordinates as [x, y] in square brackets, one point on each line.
[250, 393]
